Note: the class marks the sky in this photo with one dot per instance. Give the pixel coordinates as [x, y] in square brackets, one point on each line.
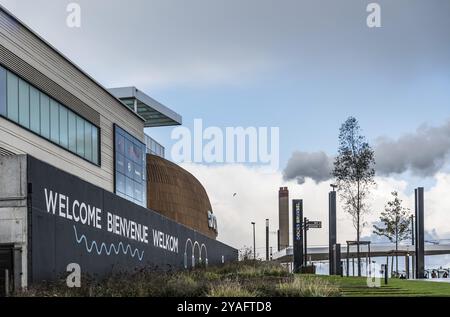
[301, 66]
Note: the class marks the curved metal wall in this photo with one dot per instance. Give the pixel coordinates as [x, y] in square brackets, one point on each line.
[177, 194]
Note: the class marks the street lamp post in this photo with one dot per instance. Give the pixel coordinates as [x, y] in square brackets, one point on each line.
[254, 242]
[267, 239]
[413, 260]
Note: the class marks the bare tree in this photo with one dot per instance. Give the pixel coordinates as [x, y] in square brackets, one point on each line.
[354, 172]
[396, 222]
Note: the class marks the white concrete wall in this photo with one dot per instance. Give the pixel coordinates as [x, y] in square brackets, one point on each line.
[13, 210]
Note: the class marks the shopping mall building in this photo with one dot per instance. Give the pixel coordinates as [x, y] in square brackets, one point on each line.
[80, 181]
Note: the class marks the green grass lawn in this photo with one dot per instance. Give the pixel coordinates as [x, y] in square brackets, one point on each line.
[357, 286]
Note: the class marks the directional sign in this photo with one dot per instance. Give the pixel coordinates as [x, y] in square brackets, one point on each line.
[315, 224]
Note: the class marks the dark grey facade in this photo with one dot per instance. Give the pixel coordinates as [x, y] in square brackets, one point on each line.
[71, 221]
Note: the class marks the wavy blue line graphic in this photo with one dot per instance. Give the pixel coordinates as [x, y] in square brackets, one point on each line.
[111, 247]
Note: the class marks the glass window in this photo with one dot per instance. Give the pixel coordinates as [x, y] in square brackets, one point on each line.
[80, 136]
[129, 172]
[88, 141]
[120, 183]
[137, 191]
[129, 187]
[120, 163]
[130, 167]
[120, 144]
[35, 108]
[2, 91]
[71, 118]
[45, 116]
[54, 121]
[24, 104]
[94, 144]
[12, 93]
[137, 172]
[63, 127]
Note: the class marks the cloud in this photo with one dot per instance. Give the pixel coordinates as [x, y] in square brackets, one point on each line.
[423, 153]
[257, 199]
[315, 165]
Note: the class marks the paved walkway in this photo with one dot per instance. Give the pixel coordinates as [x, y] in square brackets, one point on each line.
[442, 280]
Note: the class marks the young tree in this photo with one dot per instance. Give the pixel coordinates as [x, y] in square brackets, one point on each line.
[396, 222]
[354, 173]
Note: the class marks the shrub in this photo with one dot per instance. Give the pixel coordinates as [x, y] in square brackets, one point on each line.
[183, 285]
[230, 288]
[303, 286]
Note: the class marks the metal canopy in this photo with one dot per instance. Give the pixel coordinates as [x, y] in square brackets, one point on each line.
[154, 113]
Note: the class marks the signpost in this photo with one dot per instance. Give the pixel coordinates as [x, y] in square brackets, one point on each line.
[307, 224]
[297, 222]
[314, 224]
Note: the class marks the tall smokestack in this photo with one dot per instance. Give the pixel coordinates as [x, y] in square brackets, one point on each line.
[283, 217]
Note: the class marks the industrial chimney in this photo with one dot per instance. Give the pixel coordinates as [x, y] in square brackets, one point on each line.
[283, 218]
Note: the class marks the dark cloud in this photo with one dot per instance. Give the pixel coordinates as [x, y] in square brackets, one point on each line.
[301, 165]
[423, 153]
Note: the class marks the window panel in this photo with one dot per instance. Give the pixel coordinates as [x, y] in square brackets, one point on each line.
[2, 91]
[63, 127]
[88, 141]
[54, 121]
[12, 103]
[95, 146]
[129, 187]
[137, 191]
[120, 163]
[71, 118]
[130, 167]
[120, 183]
[120, 144]
[35, 108]
[129, 172]
[45, 116]
[24, 104]
[80, 136]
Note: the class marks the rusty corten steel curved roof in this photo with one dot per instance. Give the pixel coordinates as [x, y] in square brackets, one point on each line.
[177, 194]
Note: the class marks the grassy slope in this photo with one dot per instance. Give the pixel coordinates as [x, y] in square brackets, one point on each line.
[357, 286]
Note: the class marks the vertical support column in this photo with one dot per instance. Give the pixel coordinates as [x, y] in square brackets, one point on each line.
[407, 265]
[278, 240]
[348, 261]
[413, 258]
[7, 285]
[297, 241]
[283, 216]
[331, 231]
[337, 269]
[420, 240]
[305, 240]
